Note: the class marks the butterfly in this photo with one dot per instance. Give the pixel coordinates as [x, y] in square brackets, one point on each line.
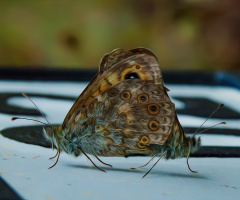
[125, 110]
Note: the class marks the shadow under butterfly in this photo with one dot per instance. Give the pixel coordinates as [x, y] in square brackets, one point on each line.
[125, 110]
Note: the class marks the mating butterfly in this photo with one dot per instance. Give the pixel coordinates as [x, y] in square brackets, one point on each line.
[125, 110]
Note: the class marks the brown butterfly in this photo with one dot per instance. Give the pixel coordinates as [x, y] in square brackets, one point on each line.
[125, 110]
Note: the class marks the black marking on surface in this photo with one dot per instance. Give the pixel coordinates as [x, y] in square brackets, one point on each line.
[218, 131]
[33, 73]
[27, 134]
[6, 192]
[203, 107]
[223, 152]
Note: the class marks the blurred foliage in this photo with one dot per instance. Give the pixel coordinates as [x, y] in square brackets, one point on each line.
[197, 34]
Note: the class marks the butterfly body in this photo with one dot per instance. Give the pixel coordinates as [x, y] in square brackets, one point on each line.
[124, 111]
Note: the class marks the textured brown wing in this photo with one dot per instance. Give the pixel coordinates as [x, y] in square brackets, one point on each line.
[127, 118]
[114, 68]
[145, 118]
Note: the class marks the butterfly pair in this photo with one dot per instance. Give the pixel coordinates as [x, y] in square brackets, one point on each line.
[125, 110]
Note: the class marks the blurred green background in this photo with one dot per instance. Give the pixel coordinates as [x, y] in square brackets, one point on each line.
[186, 34]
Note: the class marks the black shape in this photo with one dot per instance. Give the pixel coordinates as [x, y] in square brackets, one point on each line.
[203, 107]
[27, 134]
[213, 131]
[33, 73]
[131, 76]
[16, 110]
[153, 108]
[212, 78]
[6, 192]
[209, 151]
[143, 98]
[220, 152]
[154, 125]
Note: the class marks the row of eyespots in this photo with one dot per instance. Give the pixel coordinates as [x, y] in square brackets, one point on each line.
[125, 95]
[153, 125]
[152, 108]
[142, 98]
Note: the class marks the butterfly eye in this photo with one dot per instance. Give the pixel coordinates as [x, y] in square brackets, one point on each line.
[131, 76]
[125, 95]
[141, 145]
[153, 108]
[144, 139]
[143, 98]
[112, 92]
[153, 125]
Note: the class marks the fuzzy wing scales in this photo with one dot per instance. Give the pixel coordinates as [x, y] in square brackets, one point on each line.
[119, 122]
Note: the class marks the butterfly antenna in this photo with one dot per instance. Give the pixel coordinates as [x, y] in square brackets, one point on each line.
[155, 164]
[14, 118]
[210, 128]
[37, 108]
[220, 106]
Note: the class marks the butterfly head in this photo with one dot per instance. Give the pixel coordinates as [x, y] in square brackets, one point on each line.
[53, 133]
[61, 139]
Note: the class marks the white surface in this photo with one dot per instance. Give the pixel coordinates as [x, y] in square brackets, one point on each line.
[25, 167]
[71, 178]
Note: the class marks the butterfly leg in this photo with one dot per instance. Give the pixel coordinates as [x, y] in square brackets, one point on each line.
[103, 162]
[188, 158]
[54, 156]
[155, 163]
[58, 154]
[189, 166]
[57, 150]
[146, 163]
[52, 146]
[90, 159]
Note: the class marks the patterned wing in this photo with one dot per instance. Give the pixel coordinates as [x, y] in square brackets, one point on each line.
[128, 117]
[125, 108]
[115, 67]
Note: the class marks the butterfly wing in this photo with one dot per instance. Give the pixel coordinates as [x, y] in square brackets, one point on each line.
[125, 108]
[114, 68]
